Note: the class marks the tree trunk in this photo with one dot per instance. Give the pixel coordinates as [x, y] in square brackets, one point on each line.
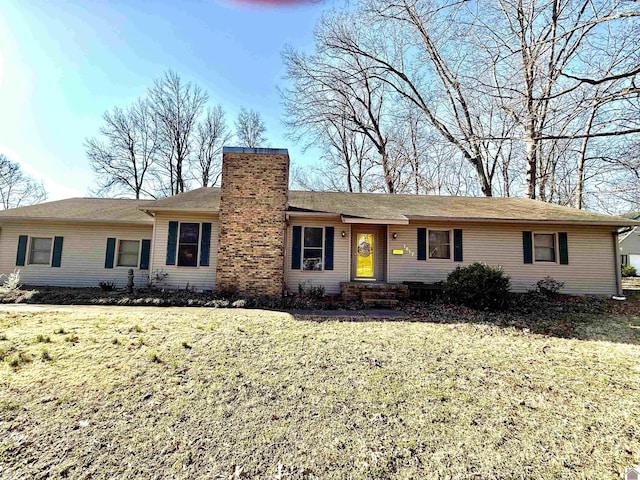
[531, 164]
[581, 159]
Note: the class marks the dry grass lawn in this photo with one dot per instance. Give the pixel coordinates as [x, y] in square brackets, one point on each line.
[199, 393]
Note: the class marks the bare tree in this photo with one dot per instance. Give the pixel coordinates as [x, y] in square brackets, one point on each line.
[544, 49]
[211, 135]
[250, 129]
[177, 106]
[521, 89]
[389, 45]
[335, 101]
[123, 156]
[18, 189]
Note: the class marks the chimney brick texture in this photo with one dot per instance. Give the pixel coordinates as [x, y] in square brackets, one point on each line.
[253, 203]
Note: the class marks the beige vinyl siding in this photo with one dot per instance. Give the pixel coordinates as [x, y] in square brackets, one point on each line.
[83, 253]
[330, 279]
[591, 268]
[198, 278]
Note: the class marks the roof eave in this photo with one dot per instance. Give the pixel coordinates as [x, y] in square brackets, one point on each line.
[179, 209]
[374, 221]
[74, 220]
[547, 221]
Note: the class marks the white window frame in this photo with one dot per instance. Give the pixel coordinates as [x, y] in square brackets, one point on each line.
[199, 242]
[28, 262]
[429, 258]
[117, 252]
[321, 248]
[556, 251]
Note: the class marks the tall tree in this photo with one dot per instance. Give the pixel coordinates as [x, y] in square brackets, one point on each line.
[520, 89]
[543, 51]
[18, 189]
[335, 101]
[211, 135]
[250, 129]
[124, 154]
[177, 106]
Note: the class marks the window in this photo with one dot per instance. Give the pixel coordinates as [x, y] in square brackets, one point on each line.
[545, 247]
[128, 253]
[188, 244]
[439, 244]
[312, 248]
[624, 260]
[40, 251]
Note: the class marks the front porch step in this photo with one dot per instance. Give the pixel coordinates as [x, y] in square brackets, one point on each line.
[380, 302]
[372, 295]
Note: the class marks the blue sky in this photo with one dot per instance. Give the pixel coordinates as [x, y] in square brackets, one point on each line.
[63, 63]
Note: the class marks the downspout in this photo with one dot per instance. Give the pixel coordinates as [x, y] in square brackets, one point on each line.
[616, 262]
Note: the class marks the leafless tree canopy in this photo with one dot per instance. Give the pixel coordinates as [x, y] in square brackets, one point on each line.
[211, 135]
[177, 106]
[498, 97]
[124, 155]
[250, 129]
[162, 144]
[18, 189]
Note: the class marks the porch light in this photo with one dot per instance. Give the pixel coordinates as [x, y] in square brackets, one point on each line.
[344, 234]
[394, 235]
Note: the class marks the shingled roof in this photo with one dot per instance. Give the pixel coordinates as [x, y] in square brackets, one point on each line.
[205, 199]
[352, 207]
[434, 207]
[94, 210]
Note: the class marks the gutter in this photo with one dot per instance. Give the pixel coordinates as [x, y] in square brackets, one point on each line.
[549, 221]
[180, 209]
[4, 220]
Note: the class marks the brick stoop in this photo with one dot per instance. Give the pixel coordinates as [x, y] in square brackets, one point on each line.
[386, 295]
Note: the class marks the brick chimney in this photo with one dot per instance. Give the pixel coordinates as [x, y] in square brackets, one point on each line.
[253, 203]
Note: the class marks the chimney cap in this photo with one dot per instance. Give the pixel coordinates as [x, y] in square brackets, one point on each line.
[266, 151]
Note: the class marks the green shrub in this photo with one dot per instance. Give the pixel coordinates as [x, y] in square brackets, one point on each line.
[549, 287]
[107, 286]
[313, 292]
[478, 286]
[629, 271]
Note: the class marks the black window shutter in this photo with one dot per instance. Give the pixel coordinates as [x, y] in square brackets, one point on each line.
[205, 244]
[111, 253]
[564, 249]
[422, 244]
[57, 252]
[296, 247]
[457, 245]
[527, 247]
[22, 250]
[172, 243]
[144, 254]
[328, 248]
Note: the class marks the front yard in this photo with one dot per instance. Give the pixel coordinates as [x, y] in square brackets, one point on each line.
[97, 392]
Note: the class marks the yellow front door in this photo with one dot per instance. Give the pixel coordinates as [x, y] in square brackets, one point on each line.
[365, 255]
